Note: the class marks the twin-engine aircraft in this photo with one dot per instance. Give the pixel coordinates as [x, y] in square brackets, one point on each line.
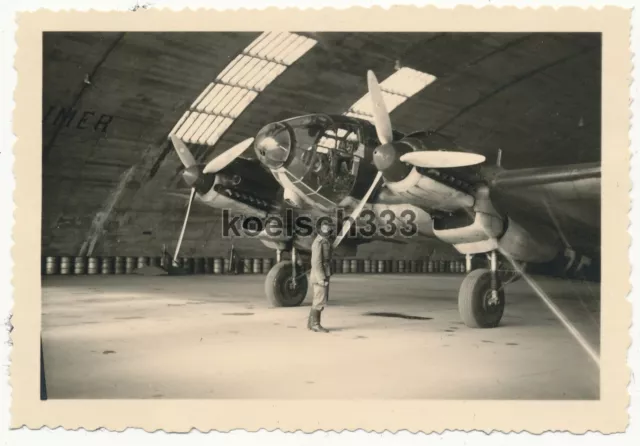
[409, 187]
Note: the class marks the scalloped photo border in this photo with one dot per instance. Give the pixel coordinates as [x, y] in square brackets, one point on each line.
[606, 415]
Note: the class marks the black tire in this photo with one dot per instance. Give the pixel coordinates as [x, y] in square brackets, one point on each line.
[472, 301]
[277, 286]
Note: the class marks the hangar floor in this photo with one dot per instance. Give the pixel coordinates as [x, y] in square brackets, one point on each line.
[216, 337]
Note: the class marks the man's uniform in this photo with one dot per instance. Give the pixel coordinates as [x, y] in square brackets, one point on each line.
[320, 274]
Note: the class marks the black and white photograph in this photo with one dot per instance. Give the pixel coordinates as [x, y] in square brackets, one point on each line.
[309, 215]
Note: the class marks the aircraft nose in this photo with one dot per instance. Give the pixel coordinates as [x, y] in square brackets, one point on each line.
[273, 145]
[384, 156]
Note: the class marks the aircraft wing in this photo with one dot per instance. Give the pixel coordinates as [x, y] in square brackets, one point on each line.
[544, 176]
[565, 198]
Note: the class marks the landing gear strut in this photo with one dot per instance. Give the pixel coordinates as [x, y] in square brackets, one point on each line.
[286, 284]
[481, 297]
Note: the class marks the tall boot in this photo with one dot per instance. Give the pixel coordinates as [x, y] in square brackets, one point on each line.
[310, 320]
[315, 322]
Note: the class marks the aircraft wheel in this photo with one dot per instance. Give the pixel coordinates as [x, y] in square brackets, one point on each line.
[279, 286]
[476, 307]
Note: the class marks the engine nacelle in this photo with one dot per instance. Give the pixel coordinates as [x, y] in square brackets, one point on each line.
[526, 246]
[419, 189]
[489, 233]
[485, 230]
[470, 234]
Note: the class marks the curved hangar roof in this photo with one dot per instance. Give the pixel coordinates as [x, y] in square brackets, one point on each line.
[111, 99]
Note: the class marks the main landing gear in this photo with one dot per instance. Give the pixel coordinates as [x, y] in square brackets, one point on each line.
[286, 284]
[481, 296]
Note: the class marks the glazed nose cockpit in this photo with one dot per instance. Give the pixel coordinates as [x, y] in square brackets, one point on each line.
[273, 145]
[316, 153]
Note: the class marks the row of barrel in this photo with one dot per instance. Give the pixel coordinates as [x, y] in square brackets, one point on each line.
[66, 265]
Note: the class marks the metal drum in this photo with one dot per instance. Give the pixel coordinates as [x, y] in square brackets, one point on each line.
[65, 266]
[208, 265]
[346, 266]
[142, 262]
[187, 264]
[424, 266]
[119, 265]
[267, 264]
[51, 266]
[93, 265]
[401, 266]
[106, 265]
[130, 265]
[390, 266]
[463, 267]
[355, 266]
[218, 265]
[382, 266]
[366, 266]
[198, 265]
[257, 266]
[165, 261]
[337, 266]
[442, 267]
[227, 265]
[80, 266]
[247, 264]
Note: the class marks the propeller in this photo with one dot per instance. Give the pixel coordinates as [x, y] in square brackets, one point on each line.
[384, 131]
[189, 162]
[427, 158]
[224, 159]
[195, 177]
[356, 212]
[381, 117]
[184, 225]
[441, 158]
[183, 152]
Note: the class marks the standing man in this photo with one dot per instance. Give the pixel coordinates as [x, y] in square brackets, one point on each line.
[320, 274]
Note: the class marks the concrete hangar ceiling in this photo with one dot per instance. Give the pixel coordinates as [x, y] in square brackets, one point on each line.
[111, 183]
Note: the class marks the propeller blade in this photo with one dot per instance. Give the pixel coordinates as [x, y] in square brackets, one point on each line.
[356, 212]
[183, 152]
[184, 225]
[224, 159]
[441, 159]
[381, 117]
